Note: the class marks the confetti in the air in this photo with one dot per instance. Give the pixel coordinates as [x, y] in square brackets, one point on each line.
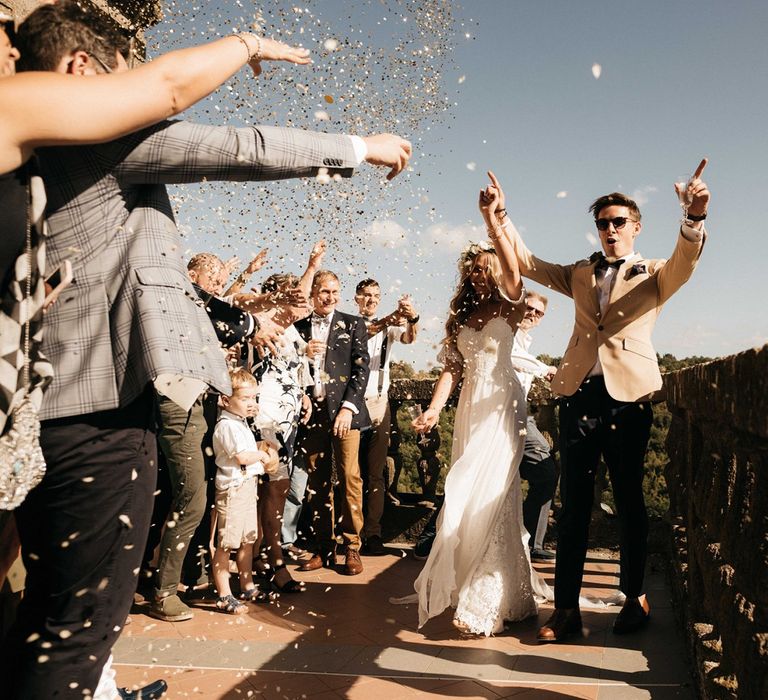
[472, 166]
[597, 70]
[562, 194]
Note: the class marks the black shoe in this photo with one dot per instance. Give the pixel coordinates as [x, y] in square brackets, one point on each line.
[632, 617]
[542, 555]
[148, 692]
[423, 547]
[374, 547]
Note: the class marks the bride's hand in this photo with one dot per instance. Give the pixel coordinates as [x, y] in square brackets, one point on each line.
[497, 185]
[426, 421]
[489, 204]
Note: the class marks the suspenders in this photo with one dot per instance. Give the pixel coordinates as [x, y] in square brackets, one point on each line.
[383, 359]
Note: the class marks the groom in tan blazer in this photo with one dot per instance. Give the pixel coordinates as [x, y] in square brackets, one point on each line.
[607, 379]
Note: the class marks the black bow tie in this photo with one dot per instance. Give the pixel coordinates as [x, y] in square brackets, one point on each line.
[322, 320]
[602, 264]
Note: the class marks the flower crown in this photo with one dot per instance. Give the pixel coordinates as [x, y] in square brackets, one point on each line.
[474, 249]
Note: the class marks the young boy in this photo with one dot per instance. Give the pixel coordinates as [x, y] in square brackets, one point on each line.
[239, 461]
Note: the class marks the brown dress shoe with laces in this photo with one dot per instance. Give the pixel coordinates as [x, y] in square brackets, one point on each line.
[318, 561]
[353, 564]
[562, 624]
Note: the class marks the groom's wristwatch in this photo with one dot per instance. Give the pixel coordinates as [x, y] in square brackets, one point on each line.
[693, 217]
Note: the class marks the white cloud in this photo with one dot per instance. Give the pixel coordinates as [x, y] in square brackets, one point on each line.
[387, 234]
[642, 194]
[454, 238]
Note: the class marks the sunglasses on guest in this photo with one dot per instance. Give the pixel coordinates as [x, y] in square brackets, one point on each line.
[618, 223]
[536, 312]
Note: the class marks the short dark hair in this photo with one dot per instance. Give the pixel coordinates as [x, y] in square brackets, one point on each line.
[614, 199]
[53, 31]
[365, 283]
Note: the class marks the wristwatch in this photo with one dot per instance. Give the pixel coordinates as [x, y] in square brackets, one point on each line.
[413, 320]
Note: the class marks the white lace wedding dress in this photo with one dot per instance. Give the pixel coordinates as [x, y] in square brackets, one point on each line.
[479, 563]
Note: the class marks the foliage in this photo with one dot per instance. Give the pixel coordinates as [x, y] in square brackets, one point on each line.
[654, 484]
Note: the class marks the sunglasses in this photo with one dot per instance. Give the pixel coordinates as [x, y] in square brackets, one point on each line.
[618, 223]
[537, 312]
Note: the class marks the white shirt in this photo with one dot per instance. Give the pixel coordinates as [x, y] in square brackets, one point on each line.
[321, 329]
[526, 365]
[393, 334]
[231, 437]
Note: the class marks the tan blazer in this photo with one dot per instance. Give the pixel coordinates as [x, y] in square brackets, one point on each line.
[621, 337]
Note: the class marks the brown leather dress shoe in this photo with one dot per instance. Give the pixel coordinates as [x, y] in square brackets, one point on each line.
[632, 617]
[318, 561]
[353, 564]
[562, 624]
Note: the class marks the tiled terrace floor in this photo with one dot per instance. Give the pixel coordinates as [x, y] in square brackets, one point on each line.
[342, 639]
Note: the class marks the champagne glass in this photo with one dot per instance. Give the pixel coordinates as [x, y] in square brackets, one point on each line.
[416, 413]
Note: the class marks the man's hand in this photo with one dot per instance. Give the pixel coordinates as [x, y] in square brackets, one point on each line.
[405, 308]
[389, 150]
[267, 335]
[317, 254]
[272, 50]
[257, 263]
[696, 191]
[315, 348]
[306, 409]
[343, 422]
[551, 372]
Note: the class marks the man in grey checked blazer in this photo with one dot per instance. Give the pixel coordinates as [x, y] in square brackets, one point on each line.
[129, 318]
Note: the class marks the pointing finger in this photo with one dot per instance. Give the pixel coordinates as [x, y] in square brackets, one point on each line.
[700, 169]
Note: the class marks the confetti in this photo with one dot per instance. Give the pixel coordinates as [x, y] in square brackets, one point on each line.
[597, 70]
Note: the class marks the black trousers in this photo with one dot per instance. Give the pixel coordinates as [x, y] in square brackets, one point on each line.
[82, 533]
[538, 468]
[592, 423]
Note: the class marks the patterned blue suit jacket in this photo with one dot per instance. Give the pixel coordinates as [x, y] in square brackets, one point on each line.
[131, 313]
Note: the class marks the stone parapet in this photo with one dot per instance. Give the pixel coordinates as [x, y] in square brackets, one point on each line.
[718, 485]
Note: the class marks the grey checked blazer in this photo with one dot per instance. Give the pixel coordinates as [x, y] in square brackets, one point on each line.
[131, 314]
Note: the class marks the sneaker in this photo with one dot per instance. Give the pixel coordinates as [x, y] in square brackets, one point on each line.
[170, 609]
[542, 555]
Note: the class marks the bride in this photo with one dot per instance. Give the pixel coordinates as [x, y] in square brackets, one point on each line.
[479, 563]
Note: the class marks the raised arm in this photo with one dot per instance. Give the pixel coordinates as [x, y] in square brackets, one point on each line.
[45, 109]
[511, 281]
[314, 263]
[242, 279]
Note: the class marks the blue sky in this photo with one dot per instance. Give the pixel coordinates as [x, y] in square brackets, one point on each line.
[505, 85]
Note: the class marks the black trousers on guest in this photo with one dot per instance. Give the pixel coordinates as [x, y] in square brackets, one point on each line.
[539, 470]
[82, 532]
[592, 423]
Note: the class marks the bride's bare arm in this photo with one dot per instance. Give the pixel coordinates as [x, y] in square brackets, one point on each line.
[44, 109]
[511, 281]
[446, 383]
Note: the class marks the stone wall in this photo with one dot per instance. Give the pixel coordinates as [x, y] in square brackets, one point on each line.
[718, 485]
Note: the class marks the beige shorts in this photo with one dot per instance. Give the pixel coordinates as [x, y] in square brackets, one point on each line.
[237, 518]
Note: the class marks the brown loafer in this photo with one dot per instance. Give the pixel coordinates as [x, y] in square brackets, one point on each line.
[632, 617]
[562, 624]
[353, 564]
[318, 561]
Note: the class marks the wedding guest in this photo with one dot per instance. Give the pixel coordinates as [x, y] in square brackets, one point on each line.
[399, 326]
[239, 461]
[338, 352]
[242, 279]
[607, 378]
[130, 318]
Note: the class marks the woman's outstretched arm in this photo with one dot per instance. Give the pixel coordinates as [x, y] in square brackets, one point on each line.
[45, 109]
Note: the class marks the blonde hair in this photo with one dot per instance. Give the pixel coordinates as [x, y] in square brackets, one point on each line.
[205, 260]
[530, 294]
[465, 299]
[241, 378]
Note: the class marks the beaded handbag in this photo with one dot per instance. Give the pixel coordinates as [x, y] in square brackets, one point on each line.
[22, 464]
